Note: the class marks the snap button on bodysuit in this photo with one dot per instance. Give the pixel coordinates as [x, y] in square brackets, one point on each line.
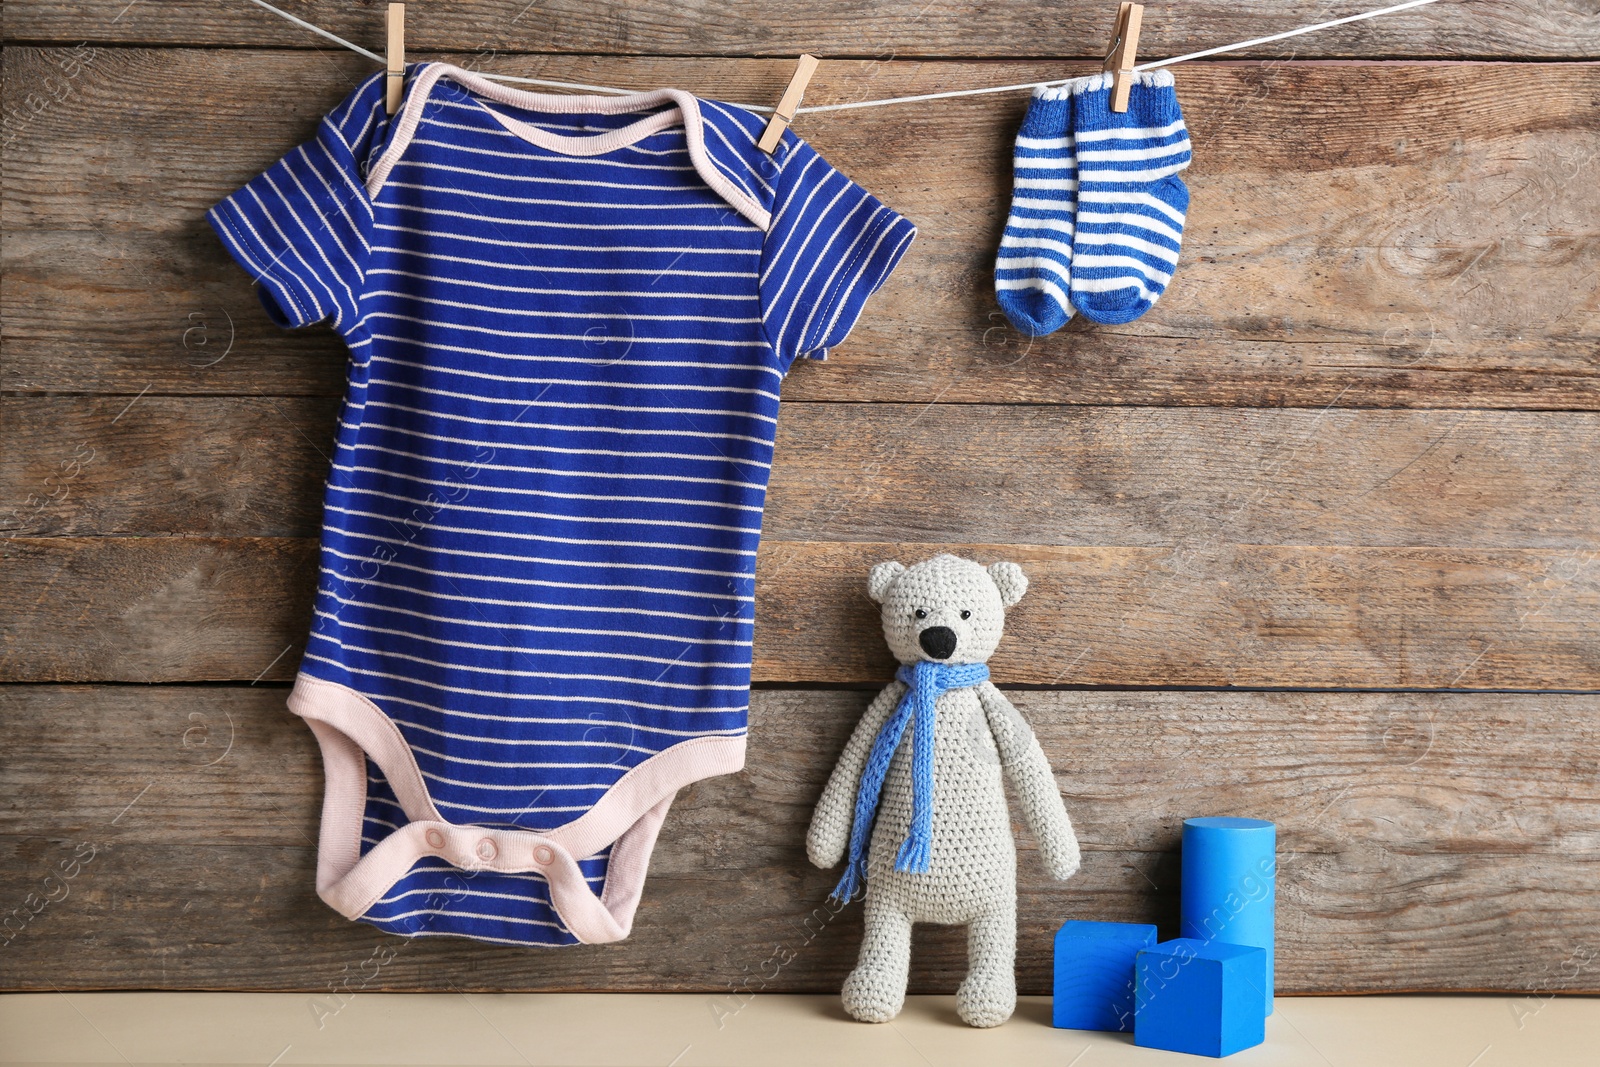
[543, 853]
[486, 849]
[435, 838]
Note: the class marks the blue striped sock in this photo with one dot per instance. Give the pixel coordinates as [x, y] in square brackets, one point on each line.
[1131, 202]
[1032, 271]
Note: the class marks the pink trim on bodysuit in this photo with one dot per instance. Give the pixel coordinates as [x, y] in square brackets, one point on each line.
[687, 112]
[628, 818]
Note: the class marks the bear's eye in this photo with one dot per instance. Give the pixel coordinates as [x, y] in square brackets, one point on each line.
[921, 614]
[965, 614]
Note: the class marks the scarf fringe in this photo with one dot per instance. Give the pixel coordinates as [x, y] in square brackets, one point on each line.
[915, 854]
[849, 885]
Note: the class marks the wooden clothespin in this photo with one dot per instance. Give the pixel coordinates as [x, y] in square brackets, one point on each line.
[1119, 60]
[395, 59]
[783, 114]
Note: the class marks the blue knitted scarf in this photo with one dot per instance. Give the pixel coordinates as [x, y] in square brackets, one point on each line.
[924, 681]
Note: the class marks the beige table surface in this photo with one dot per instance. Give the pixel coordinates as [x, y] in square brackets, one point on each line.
[682, 1030]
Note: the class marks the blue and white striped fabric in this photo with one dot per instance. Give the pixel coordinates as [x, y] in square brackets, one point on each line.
[1032, 273]
[1131, 202]
[569, 318]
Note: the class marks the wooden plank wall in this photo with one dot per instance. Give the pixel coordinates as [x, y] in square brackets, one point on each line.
[1314, 540]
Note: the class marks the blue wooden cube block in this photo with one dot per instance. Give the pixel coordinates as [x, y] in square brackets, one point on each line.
[1201, 997]
[1094, 974]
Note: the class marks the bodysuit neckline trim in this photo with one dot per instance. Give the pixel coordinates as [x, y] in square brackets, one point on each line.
[687, 113]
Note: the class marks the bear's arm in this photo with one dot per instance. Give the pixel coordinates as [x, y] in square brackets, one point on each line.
[830, 823]
[1029, 773]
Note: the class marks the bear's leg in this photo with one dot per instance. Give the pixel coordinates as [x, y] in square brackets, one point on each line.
[876, 989]
[989, 994]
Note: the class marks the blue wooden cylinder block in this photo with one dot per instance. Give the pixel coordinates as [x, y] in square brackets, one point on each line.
[1229, 888]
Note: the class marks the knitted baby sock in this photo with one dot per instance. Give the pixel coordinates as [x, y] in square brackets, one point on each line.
[1032, 272]
[1131, 202]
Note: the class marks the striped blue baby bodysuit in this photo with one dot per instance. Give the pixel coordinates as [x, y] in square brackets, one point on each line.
[568, 319]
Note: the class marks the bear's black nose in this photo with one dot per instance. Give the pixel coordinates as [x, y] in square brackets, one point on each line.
[938, 641]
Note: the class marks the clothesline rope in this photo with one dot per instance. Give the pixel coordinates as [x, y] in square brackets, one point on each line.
[1219, 50]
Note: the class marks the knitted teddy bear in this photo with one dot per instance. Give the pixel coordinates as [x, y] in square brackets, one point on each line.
[924, 817]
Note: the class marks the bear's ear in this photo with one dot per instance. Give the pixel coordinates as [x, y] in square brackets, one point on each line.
[1010, 580]
[882, 577]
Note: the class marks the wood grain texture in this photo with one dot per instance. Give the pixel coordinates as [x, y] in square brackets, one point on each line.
[1361, 234]
[1203, 498]
[1427, 841]
[1024, 474]
[908, 28]
[1204, 613]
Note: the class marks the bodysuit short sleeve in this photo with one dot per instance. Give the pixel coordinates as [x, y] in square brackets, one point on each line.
[302, 229]
[831, 245]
